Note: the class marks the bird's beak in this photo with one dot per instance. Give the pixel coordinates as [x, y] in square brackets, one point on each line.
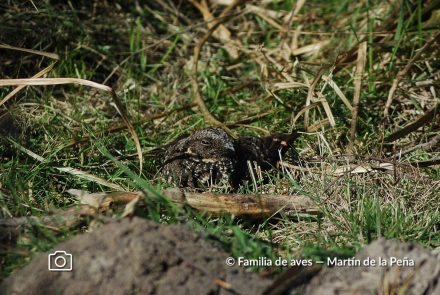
[229, 149]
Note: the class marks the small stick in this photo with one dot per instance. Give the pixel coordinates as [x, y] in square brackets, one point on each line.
[413, 126]
[426, 146]
[244, 205]
[251, 205]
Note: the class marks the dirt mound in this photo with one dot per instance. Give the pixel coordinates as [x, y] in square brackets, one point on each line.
[142, 257]
[417, 272]
[136, 257]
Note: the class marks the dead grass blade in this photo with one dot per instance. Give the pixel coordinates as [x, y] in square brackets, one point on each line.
[288, 20]
[318, 125]
[72, 171]
[289, 85]
[221, 33]
[87, 176]
[141, 121]
[338, 91]
[37, 52]
[299, 4]
[321, 98]
[248, 119]
[403, 72]
[58, 81]
[309, 49]
[52, 81]
[360, 66]
[266, 15]
[302, 111]
[364, 168]
[16, 90]
[327, 109]
[310, 96]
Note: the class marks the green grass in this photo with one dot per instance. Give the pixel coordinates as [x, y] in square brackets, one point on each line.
[147, 63]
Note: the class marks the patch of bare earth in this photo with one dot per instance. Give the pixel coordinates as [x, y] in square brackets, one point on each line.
[136, 256]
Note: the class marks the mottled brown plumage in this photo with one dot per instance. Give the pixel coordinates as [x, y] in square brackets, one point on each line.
[211, 157]
[205, 158]
[264, 151]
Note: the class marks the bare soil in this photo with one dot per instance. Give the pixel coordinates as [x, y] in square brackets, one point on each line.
[136, 256]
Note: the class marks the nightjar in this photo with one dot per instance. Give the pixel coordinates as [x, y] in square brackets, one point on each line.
[205, 158]
[211, 157]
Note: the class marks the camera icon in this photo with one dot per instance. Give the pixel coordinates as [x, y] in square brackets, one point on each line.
[60, 261]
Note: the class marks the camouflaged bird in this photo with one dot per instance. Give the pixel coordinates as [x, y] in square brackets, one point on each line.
[211, 157]
[201, 160]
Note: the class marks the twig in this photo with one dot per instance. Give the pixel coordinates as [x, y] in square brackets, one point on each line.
[403, 72]
[419, 122]
[426, 146]
[251, 205]
[255, 206]
[424, 164]
[224, 16]
[361, 60]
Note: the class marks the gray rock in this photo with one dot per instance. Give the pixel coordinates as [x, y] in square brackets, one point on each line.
[418, 273]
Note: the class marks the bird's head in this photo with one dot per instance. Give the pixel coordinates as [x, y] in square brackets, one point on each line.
[209, 143]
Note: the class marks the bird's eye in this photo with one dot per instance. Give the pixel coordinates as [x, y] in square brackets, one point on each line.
[206, 142]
